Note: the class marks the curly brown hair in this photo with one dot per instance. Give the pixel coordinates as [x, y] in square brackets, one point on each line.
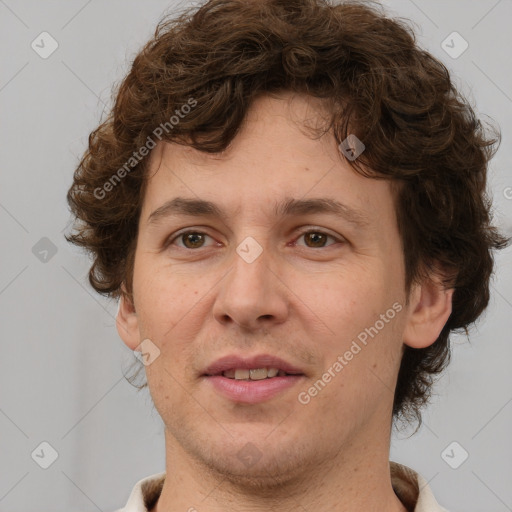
[375, 82]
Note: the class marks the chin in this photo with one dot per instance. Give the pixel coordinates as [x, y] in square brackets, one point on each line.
[254, 462]
[262, 475]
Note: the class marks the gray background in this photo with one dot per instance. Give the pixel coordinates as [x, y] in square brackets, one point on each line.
[61, 358]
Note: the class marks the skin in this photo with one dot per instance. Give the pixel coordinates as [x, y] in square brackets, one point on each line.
[303, 299]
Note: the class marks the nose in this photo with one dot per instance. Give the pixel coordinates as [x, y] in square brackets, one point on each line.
[252, 295]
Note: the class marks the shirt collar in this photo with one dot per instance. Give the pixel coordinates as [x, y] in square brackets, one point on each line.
[410, 487]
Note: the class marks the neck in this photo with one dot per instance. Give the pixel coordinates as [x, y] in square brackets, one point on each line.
[354, 479]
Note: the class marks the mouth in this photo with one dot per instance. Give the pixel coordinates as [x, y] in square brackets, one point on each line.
[258, 367]
[253, 373]
[252, 380]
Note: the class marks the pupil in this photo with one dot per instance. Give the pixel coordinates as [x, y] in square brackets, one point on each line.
[190, 238]
[318, 236]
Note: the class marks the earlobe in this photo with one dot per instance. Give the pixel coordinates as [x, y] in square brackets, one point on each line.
[430, 307]
[127, 322]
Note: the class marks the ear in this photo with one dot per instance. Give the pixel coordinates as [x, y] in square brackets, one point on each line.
[127, 322]
[430, 306]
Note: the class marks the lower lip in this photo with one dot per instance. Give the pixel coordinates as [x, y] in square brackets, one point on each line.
[252, 391]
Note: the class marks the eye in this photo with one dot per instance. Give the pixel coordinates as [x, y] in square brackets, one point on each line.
[316, 238]
[190, 239]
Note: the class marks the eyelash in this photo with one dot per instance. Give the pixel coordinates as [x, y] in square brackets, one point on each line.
[173, 238]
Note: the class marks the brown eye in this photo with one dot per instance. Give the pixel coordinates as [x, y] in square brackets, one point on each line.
[316, 239]
[189, 240]
[192, 240]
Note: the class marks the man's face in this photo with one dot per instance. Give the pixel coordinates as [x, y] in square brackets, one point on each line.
[320, 280]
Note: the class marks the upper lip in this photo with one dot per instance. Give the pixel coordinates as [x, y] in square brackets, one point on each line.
[232, 362]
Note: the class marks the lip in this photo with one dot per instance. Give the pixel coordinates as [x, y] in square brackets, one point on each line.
[251, 392]
[235, 361]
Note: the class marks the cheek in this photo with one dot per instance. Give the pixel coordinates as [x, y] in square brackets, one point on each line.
[172, 312]
[163, 299]
[347, 307]
[344, 300]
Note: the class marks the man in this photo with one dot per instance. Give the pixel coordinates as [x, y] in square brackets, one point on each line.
[288, 199]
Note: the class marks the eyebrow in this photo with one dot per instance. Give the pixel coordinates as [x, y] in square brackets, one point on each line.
[289, 207]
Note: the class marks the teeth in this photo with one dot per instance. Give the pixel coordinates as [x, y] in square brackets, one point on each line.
[272, 372]
[242, 374]
[259, 374]
[253, 374]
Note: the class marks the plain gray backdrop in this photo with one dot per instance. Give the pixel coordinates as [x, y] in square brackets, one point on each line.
[62, 362]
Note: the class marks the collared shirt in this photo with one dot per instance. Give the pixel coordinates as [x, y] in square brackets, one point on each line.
[410, 487]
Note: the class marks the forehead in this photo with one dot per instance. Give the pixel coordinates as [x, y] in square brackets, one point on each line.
[272, 165]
